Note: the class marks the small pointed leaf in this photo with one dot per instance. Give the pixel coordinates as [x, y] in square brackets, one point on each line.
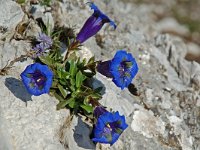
[73, 68]
[47, 60]
[79, 79]
[63, 91]
[87, 108]
[60, 98]
[72, 103]
[64, 103]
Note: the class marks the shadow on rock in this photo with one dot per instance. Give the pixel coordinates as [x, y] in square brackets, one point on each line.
[97, 84]
[18, 89]
[82, 135]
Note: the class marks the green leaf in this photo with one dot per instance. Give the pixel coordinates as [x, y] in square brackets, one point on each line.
[72, 81]
[58, 64]
[82, 63]
[54, 84]
[79, 79]
[63, 104]
[72, 103]
[73, 68]
[66, 75]
[60, 98]
[91, 60]
[45, 2]
[59, 72]
[63, 91]
[63, 74]
[86, 99]
[95, 95]
[47, 60]
[87, 108]
[74, 94]
[63, 81]
[52, 92]
[72, 56]
[72, 88]
[21, 1]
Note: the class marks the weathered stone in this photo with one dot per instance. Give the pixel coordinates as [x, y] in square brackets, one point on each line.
[171, 25]
[11, 50]
[193, 52]
[145, 122]
[10, 14]
[41, 13]
[32, 122]
[75, 134]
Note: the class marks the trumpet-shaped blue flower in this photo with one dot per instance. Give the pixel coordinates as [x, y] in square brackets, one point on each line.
[37, 79]
[123, 68]
[109, 127]
[93, 24]
[99, 110]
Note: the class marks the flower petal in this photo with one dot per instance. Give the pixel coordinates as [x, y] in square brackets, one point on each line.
[32, 74]
[123, 68]
[93, 24]
[109, 127]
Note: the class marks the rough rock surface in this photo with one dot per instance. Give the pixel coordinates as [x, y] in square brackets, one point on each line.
[163, 116]
[11, 14]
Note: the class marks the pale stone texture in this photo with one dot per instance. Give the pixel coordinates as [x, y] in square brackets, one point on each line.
[10, 50]
[11, 14]
[145, 122]
[30, 122]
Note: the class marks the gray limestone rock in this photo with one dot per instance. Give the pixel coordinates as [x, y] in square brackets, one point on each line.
[10, 14]
[5, 142]
[28, 122]
[11, 50]
[42, 13]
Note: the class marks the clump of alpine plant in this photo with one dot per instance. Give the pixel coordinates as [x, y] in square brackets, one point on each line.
[69, 78]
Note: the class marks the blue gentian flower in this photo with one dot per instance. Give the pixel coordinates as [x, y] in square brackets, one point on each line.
[123, 68]
[37, 79]
[46, 40]
[93, 24]
[109, 127]
[104, 68]
[99, 110]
